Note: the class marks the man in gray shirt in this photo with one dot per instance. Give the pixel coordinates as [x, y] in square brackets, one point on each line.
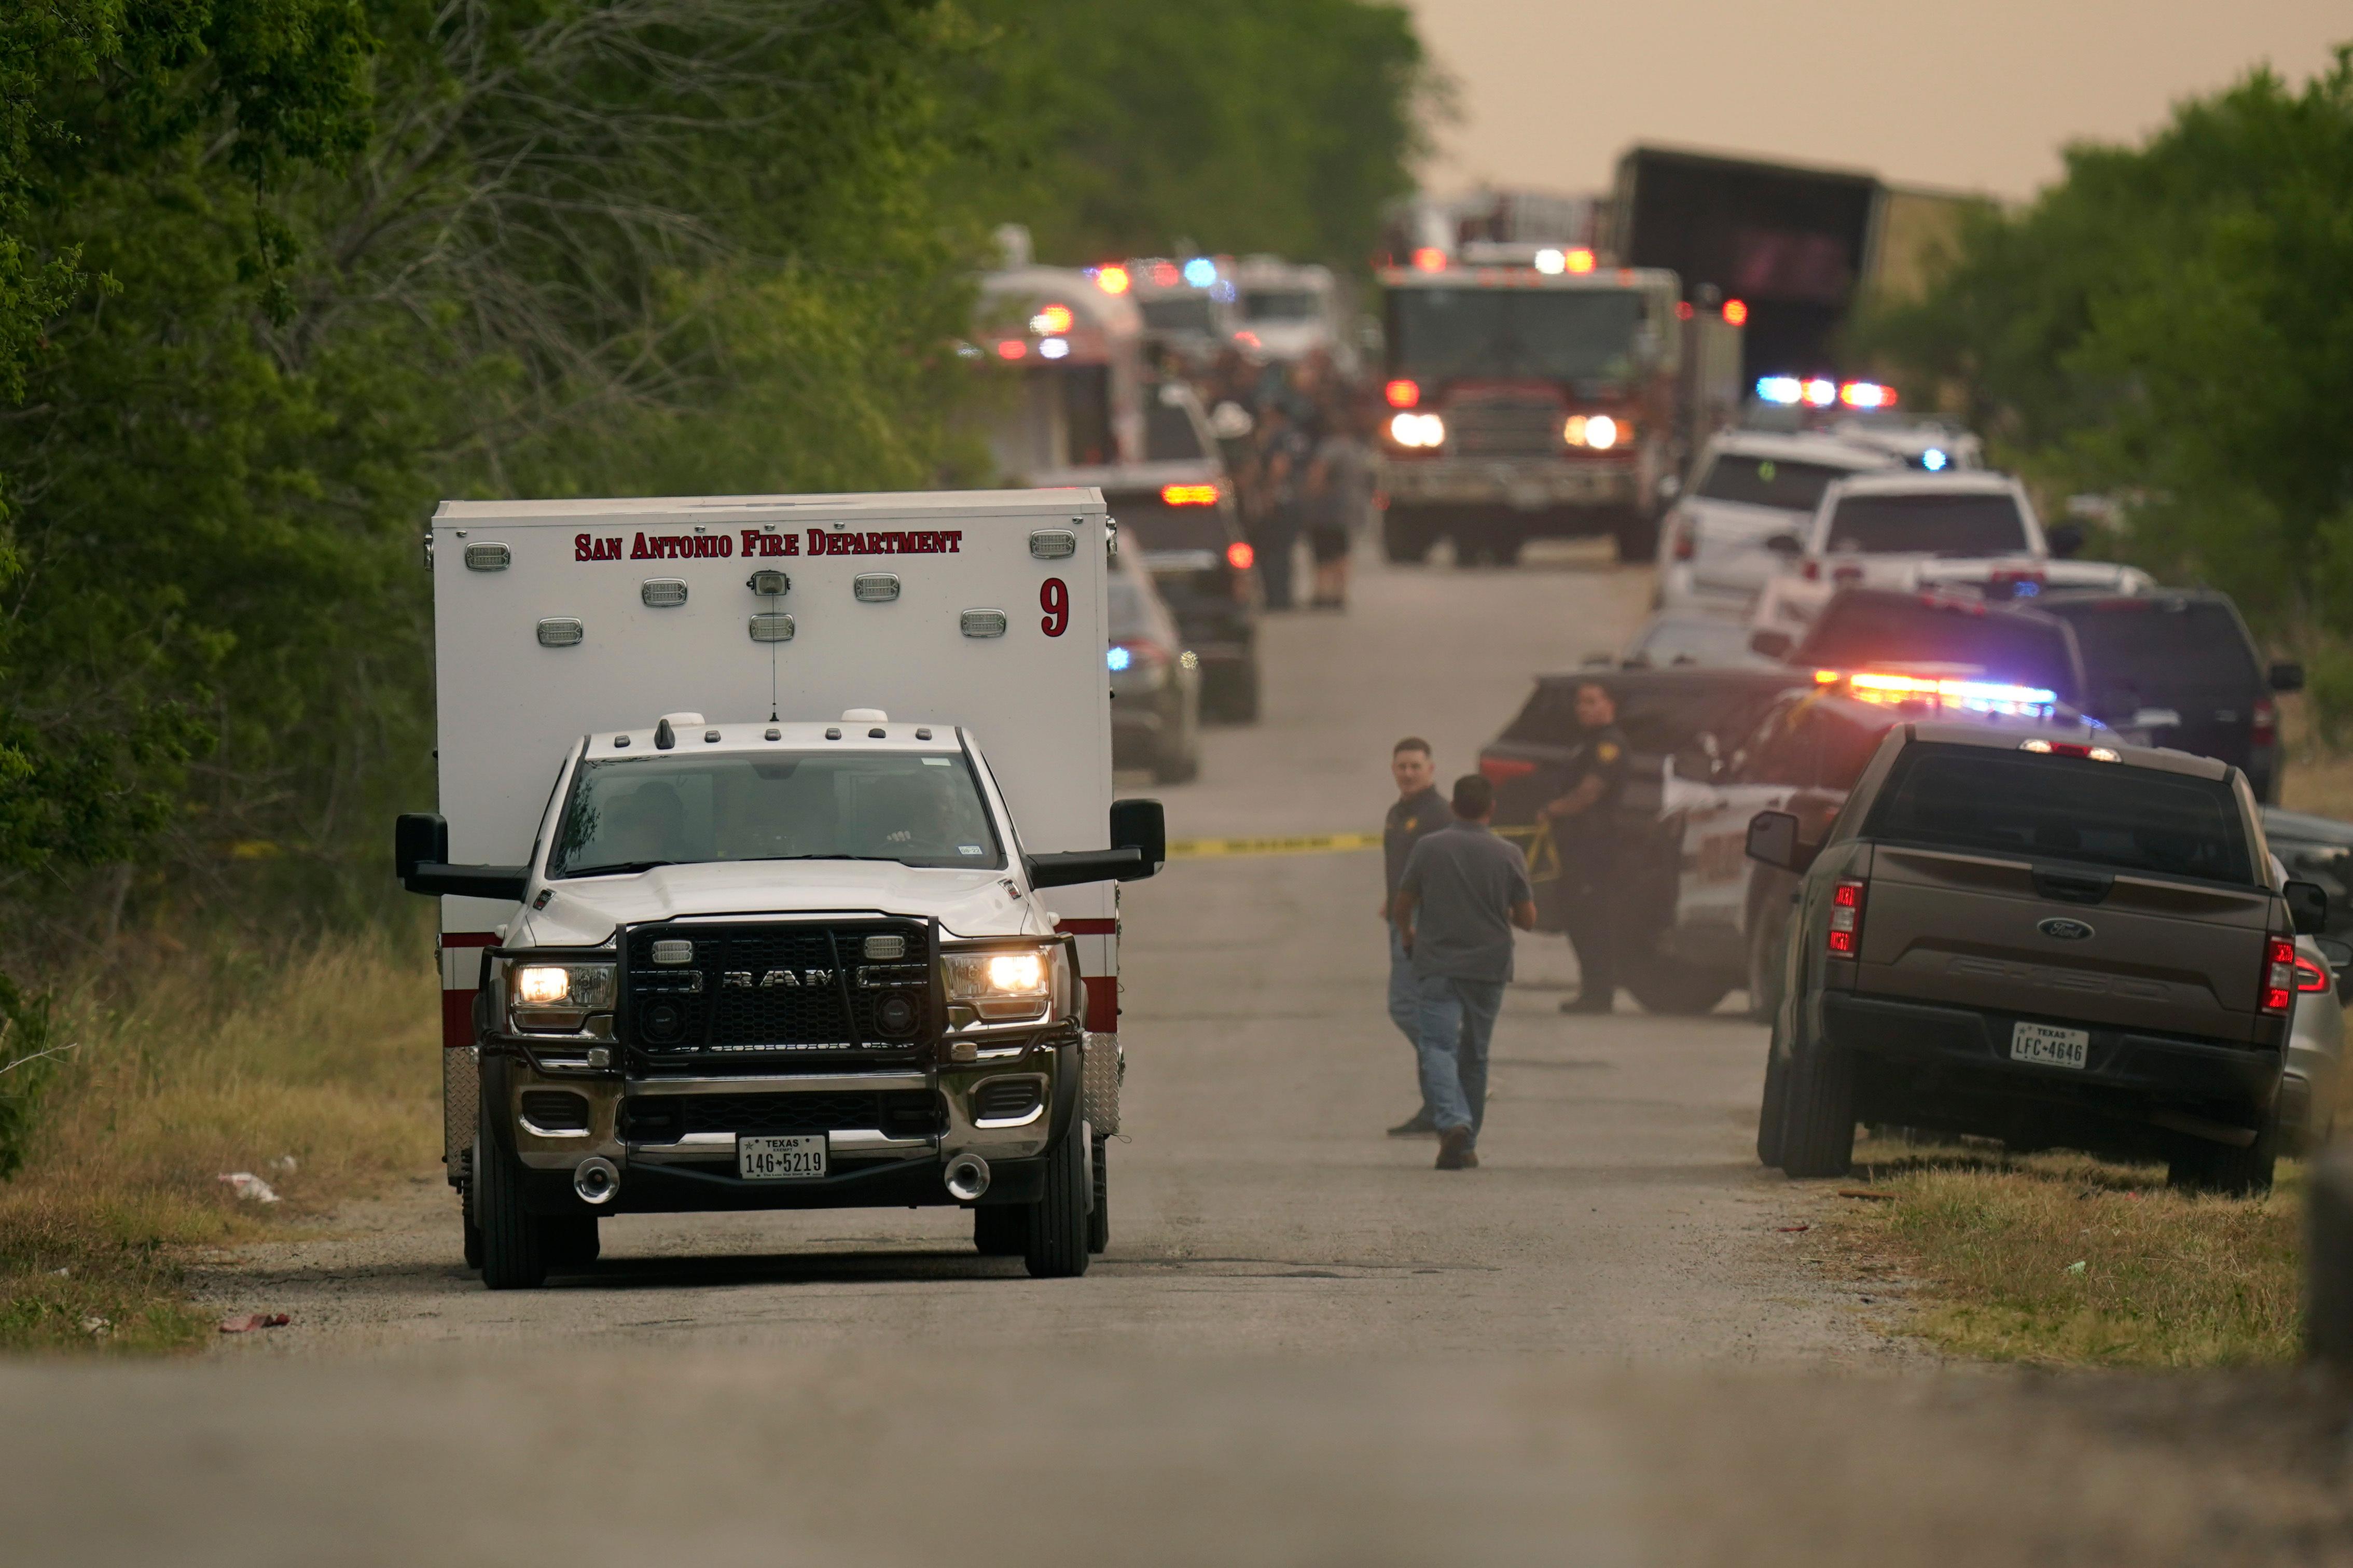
[1462, 891]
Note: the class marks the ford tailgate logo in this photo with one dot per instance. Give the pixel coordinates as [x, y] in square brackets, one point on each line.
[2064, 930]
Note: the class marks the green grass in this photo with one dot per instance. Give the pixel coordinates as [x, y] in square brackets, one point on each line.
[2166, 1280]
[235, 1062]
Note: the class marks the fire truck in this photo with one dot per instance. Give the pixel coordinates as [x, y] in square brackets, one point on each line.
[1535, 392]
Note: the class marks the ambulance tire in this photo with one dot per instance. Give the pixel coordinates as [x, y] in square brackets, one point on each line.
[1773, 1105]
[514, 1241]
[1099, 1215]
[1000, 1230]
[1057, 1241]
[1818, 1125]
[573, 1243]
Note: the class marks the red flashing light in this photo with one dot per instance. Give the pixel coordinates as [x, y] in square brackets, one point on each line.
[1429, 258]
[1866, 395]
[1735, 312]
[1683, 312]
[1578, 260]
[1403, 394]
[1240, 556]
[1012, 348]
[1164, 274]
[1248, 339]
[1189, 495]
[1503, 770]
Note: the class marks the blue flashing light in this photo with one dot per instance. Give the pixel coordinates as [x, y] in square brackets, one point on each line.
[2025, 588]
[1934, 460]
[1118, 659]
[1780, 388]
[1201, 272]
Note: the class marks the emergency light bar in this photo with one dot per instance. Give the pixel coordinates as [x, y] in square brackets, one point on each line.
[1969, 696]
[1818, 391]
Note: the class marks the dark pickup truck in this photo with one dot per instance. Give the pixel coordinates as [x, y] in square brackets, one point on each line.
[2044, 939]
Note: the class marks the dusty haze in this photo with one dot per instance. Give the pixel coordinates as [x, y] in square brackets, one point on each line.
[1979, 97]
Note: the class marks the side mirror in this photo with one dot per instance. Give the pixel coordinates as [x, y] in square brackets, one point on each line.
[1143, 826]
[2287, 677]
[2308, 906]
[1788, 546]
[2065, 539]
[1773, 841]
[1772, 644]
[1139, 839]
[419, 838]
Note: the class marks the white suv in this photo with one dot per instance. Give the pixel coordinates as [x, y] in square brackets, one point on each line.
[1972, 532]
[1748, 486]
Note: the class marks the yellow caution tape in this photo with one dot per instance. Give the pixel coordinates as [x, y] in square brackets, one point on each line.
[1321, 843]
[1296, 843]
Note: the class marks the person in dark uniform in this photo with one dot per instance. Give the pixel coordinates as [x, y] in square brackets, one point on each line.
[1419, 811]
[1583, 825]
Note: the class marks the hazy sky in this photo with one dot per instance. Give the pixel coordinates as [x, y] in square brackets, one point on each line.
[1976, 94]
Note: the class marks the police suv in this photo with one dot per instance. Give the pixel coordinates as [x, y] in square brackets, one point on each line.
[736, 913]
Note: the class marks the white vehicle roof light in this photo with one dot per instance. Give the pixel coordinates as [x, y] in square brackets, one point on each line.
[1934, 460]
[1550, 261]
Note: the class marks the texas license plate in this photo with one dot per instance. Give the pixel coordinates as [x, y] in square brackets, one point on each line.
[797, 1158]
[2049, 1046]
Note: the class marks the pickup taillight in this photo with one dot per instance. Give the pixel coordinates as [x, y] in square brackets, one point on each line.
[2263, 727]
[1846, 918]
[2279, 975]
[1686, 538]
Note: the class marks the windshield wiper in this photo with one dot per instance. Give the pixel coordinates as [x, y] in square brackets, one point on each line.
[618, 869]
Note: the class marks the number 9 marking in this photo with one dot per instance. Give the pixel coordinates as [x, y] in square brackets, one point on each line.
[1054, 598]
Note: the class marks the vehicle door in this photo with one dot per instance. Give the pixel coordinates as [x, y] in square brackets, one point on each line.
[1779, 759]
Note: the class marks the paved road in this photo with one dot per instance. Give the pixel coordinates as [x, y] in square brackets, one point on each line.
[1303, 1347]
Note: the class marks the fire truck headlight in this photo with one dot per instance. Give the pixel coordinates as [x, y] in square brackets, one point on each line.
[1417, 430]
[1601, 432]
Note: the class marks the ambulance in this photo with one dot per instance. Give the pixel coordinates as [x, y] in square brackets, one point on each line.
[777, 864]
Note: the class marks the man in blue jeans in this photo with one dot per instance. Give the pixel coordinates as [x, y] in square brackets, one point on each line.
[1462, 891]
[1420, 812]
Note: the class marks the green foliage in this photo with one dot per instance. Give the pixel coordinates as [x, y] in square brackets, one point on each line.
[28, 1059]
[2173, 324]
[1276, 125]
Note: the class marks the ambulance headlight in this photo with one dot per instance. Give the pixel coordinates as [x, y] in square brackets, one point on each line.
[1002, 983]
[558, 997]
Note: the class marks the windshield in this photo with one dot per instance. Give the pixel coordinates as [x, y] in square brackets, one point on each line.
[1561, 335]
[1180, 313]
[1769, 482]
[2010, 803]
[2169, 654]
[1954, 525]
[1859, 634]
[631, 813]
[1279, 305]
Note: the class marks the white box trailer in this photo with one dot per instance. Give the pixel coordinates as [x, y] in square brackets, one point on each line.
[726, 872]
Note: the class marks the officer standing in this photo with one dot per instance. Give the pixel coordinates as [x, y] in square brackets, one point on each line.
[1583, 828]
[1419, 811]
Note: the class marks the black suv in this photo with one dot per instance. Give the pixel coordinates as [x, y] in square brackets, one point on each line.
[2044, 939]
[2180, 666]
[1181, 516]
